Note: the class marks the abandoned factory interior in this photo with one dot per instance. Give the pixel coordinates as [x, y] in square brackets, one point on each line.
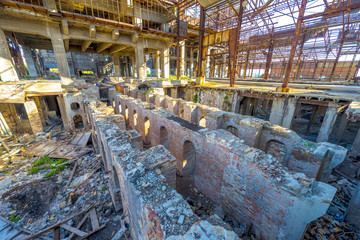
[180, 119]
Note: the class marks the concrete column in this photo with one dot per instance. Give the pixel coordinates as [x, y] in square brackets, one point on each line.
[7, 68]
[116, 65]
[328, 123]
[182, 58]
[174, 92]
[140, 60]
[355, 149]
[133, 66]
[342, 127]
[30, 61]
[207, 64]
[33, 116]
[165, 63]
[59, 51]
[158, 65]
[41, 113]
[192, 70]
[282, 111]
[353, 210]
[64, 114]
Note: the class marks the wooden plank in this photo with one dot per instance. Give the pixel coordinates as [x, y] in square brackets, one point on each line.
[81, 139]
[73, 230]
[57, 233]
[94, 219]
[93, 231]
[59, 223]
[72, 175]
[79, 225]
[56, 149]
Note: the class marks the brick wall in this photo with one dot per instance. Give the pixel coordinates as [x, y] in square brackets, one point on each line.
[144, 179]
[266, 192]
[258, 133]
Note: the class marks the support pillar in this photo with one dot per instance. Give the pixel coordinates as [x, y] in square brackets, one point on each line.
[165, 63]
[140, 61]
[200, 68]
[328, 123]
[60, 53]
[33, 116]
[282, 111]
[353, 210]
[294, 44]
[157, 64]
[182, 58]
[269, 58]
[192, 62]
[7, 68]
[342, 127]
[116, 65]
[355, 148]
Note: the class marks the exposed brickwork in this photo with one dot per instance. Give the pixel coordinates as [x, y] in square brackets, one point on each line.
[265, 193]
[144, 179]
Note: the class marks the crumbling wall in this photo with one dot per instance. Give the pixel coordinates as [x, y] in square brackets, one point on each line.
[296, 153]
[252, 186]
[155, 210]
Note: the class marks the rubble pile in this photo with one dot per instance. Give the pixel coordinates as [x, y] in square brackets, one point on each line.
[35, 200]
[332, 225]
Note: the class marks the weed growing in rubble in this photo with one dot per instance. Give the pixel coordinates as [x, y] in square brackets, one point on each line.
[46, 163]
[104, 188]
[51, 173]
[13, 218]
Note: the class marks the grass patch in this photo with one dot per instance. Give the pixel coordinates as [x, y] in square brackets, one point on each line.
[51, 164]
[104, 188]
[13, 218]
[51, 173]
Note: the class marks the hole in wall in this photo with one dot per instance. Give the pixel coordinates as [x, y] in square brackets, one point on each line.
[164, 137]
[78, 121]
[135, 119]
[202, 122]
[233, 130]
[276, 149]
[185, 180]
[75, 106]
[146, 130]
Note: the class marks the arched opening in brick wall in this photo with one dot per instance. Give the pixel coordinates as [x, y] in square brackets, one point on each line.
[164, 137]
[185, 177]
[233, 130]
[78, 121]
[120, 109]
[147, 130]
[276, 149]
[202, 122]
[135, 116]
[75, 106]
[126, 115]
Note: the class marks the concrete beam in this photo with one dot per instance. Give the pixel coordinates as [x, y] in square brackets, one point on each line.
[65, 27]
[115, 34]
[102, 46]
[92, 30]
[85, 44]
[116, 49]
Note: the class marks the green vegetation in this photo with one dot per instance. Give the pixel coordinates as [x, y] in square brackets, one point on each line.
[45, 163]
[195, 99]
[104, 188]
[13, 218]
[144, 92]
[309, 144]
[51, 173]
